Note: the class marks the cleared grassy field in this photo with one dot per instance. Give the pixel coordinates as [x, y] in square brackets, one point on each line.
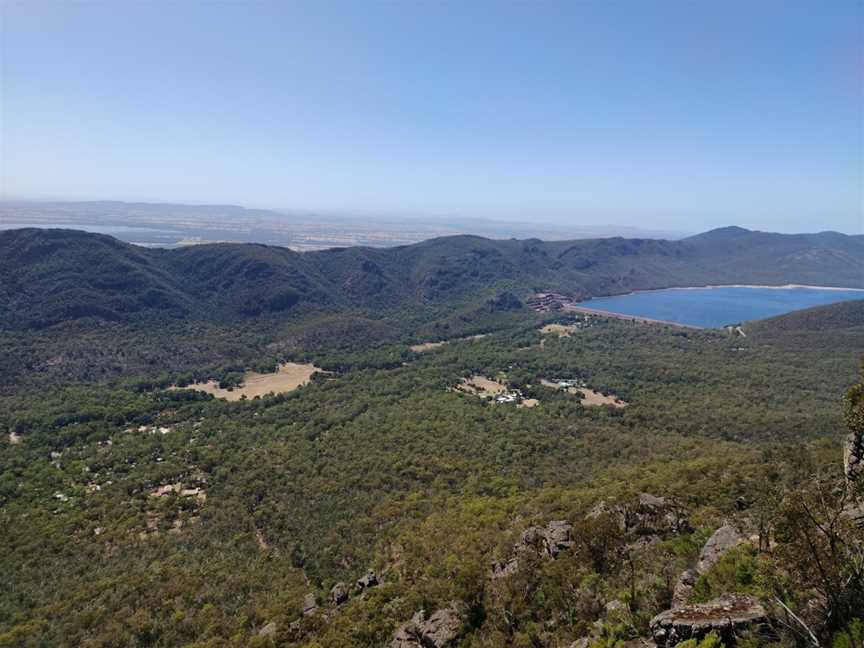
[289, 377]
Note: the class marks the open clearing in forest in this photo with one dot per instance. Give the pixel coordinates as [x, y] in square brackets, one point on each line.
[428, 346]
[289, 377]
[591, 397]
[561, 330]
[481, 386]
[587, 395]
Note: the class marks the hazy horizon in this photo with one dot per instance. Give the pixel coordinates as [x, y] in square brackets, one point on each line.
[669, 117]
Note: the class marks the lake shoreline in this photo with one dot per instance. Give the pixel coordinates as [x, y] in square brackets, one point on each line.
[711, 307]
[575, 308]
[717, 286]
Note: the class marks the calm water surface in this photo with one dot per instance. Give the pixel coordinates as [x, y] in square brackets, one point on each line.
[716, 307]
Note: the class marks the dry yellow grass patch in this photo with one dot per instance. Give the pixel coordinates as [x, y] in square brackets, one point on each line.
[428, 346]
[591, 397]
[529, 402]
[561, 330]
[481, 386]
[289, 377]
[587, 395]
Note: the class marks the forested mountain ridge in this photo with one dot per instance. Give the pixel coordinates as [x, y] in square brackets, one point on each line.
[52, 276]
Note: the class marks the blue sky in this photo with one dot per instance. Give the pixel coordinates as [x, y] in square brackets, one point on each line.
[649, 113]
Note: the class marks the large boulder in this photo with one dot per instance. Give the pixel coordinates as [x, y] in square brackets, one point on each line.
[727, 616]
[439, 630]
[309, 604]
[722, 540]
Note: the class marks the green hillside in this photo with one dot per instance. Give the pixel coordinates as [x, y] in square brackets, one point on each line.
[53, 276]
[138, 510]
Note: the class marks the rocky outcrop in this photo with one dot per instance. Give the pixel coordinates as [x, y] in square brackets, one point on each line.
[367, 581]
[338, 594]
[684, 587]
[853, 456]
[651, 516]
[721, 541]
[268, 630]
[503, 568]
[659, 516]
[440, 630]
[309, 604]
[855, 512]
[556, 537]
[727, 616]
[548, 541]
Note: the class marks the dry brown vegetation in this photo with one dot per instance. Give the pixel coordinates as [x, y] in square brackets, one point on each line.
[428, 346]
[562, 330]
[290, 376]
[481, 386]
[587, 395]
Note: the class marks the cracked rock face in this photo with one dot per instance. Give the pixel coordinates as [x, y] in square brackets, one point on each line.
[546, 541]
[439, 630]
[726, 616]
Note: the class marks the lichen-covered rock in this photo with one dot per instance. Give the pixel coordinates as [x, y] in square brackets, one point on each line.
[726, 616]
[440, 630]
[268, 630]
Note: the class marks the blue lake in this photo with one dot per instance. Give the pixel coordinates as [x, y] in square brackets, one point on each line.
[716, 307]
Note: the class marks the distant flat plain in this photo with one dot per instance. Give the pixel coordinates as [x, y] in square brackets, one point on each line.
[169, 225]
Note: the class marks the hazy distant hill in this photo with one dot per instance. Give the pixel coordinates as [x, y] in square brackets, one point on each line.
[50, 276]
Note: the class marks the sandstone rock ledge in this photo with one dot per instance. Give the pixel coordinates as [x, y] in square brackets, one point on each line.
[726, 616]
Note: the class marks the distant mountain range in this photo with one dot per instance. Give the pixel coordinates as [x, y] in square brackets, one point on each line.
[55, 275]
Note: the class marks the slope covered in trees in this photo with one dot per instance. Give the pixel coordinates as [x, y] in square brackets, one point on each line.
[133, 513]
[53, 276]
